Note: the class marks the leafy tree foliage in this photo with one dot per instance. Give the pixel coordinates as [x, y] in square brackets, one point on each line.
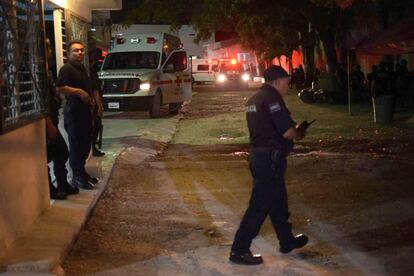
[270, 27]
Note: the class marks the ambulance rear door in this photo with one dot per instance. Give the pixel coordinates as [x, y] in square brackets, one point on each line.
[177, 72]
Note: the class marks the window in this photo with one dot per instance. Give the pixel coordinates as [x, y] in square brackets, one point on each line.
[179, 60]
[203, 67]
[131, 60]
[23, 79]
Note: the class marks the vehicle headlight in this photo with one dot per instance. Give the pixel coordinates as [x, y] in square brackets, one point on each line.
[221, 78]
[145, 86]
[245, 77]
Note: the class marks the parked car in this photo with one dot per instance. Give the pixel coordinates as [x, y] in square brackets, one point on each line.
[231, 75]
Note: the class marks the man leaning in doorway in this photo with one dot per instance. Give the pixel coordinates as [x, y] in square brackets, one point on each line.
[74, 82]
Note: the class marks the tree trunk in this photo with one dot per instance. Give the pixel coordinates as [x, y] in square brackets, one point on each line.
[309, 63]
[309, 57]
[328, 41]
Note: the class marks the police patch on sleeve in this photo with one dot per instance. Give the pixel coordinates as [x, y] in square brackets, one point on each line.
[251, 108]
[274, 107]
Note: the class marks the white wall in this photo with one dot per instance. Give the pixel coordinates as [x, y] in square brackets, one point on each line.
[79, 7]
[84, 8]
[24, 189]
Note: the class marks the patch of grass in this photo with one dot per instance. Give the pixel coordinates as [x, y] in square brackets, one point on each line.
[332, 122]
[229, 128]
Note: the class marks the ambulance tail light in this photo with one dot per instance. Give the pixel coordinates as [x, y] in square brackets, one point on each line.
[120, 40]
[151, 40]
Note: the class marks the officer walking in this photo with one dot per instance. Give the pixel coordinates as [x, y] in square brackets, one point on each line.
[74, 82]
[272, 132]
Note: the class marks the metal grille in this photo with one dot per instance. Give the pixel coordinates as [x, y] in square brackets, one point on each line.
[120, 86]
[22, 59]
[233, 76]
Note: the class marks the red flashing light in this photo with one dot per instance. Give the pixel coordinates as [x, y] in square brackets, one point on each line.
[233, 61]
[120, 40]
[104, 53]
[151, 40]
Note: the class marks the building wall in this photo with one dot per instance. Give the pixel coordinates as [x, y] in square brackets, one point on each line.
[24, 190]
[77, 6]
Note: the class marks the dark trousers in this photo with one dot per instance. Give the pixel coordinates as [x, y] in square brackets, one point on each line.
[96, 129]
[268, 197]
[57, 151]
[78, 125]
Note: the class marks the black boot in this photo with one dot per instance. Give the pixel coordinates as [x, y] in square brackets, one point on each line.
[54, 193]
[69, 189]
[91, 179]
[96, 152]
[299, 241]
[246, 258]
[64, 186]
[81, 183]
[57, 194]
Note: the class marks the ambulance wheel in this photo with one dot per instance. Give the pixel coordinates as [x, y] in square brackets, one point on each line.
[174, 108]
[155, 109]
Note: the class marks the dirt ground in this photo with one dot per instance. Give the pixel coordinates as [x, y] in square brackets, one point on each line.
[353, 198]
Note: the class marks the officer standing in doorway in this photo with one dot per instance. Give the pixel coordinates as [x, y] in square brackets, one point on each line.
[272, 132]
[74, 82]
[57, 151]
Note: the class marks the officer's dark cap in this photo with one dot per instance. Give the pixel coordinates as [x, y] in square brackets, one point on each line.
[274, 72]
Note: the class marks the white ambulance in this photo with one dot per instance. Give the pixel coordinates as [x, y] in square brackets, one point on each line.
[204, 70]
[145, 72]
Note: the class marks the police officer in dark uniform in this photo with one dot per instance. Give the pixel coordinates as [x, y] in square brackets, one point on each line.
[272, 132]
[97, 109]
[74, 82]
[57, 151]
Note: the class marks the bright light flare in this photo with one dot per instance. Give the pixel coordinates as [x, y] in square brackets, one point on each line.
[145, 86]
[245, 77]
[221, 78]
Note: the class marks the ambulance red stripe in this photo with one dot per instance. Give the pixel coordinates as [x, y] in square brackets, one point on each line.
[162, 82]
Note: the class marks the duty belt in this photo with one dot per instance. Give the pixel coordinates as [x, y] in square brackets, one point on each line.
[275, 154]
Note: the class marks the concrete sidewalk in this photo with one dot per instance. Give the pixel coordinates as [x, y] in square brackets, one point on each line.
[44, 247]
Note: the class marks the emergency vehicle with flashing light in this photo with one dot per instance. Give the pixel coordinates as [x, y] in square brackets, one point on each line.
[204, 70]
[144, 72]
[231, 74]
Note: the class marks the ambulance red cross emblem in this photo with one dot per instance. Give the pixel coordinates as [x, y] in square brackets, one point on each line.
[178, 81]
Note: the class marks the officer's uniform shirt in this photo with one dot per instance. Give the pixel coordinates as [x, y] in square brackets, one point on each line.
[74, 74]
[268, 119]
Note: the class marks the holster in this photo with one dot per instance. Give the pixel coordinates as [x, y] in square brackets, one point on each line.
[275, 155]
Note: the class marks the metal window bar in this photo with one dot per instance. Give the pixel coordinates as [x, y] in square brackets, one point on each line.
[23, 91]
